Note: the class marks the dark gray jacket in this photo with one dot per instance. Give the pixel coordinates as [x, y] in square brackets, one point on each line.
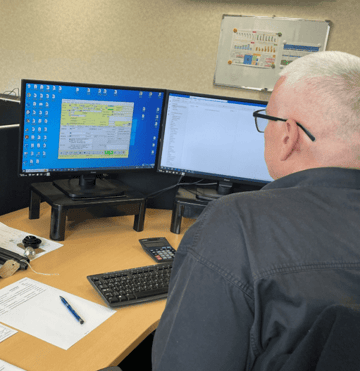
[254, 271]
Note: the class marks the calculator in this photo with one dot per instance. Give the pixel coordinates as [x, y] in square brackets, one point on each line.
[158, 248]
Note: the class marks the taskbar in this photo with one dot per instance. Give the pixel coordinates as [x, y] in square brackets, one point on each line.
[48, 172]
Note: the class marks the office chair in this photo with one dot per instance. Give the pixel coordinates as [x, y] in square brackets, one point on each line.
[332, 343]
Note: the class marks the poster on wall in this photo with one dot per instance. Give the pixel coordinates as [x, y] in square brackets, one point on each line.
[253, 50]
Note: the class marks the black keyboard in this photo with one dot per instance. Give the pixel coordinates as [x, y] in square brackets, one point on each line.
[133, 286]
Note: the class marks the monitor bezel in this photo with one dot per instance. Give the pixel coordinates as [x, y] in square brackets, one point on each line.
[79, 172]
[242, 181]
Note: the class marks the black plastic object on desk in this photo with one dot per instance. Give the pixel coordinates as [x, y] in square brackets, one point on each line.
[186, 204]
[31, 241]
[6, 255]
[158, 248]
[133, 286]
[133, 201]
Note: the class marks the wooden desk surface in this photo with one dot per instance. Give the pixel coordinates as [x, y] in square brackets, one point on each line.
[91, 246]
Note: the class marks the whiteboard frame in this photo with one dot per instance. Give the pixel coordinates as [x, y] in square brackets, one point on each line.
[295, 32]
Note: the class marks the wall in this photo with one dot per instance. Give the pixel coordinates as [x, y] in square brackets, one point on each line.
[168, 44]
[155, 43]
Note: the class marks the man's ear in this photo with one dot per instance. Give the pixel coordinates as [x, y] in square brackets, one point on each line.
[289, 139]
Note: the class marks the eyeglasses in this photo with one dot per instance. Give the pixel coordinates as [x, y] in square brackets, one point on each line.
[261, 120]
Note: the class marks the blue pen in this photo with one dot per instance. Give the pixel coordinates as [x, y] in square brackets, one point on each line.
[68, 306]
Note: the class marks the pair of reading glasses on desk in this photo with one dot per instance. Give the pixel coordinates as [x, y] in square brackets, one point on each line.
[261, 120]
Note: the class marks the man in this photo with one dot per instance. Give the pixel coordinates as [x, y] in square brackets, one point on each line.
[255, 270]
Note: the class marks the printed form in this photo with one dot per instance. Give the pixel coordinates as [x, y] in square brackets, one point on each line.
[36, 308]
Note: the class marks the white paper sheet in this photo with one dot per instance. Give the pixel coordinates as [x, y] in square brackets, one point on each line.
[4, 366]
[36, 308]
[10, 238]
[6, 332]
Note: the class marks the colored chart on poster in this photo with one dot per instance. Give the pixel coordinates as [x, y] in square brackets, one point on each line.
[254, 49]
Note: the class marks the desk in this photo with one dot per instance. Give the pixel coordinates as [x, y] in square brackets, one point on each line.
[91, 246]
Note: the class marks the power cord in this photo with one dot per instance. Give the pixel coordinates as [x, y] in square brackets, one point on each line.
[13, 91]
[178, 184]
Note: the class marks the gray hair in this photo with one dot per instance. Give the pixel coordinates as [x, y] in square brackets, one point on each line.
[335, 77]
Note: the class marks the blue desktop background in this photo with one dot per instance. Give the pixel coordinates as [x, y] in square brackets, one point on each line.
[41, 126]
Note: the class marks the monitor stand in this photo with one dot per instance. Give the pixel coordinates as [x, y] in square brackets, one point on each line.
[211, 194]
[64, 208]
[89, 187]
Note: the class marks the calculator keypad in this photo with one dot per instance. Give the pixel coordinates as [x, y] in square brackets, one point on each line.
[163, 254]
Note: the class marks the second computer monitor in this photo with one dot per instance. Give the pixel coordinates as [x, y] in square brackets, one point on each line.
[213, 137]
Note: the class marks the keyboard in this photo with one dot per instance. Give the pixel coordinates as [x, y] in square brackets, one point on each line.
[133, 286]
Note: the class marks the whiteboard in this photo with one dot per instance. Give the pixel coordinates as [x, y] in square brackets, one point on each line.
[253, 50]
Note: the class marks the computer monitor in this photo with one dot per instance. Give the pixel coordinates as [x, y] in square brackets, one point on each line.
[213, 137]
[87, 130]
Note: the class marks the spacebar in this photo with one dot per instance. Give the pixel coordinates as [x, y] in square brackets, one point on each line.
[147, 294]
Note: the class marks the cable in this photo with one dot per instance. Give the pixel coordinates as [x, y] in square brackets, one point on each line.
[43, 274]
[12, 91]
[198, 182]
[157, 193]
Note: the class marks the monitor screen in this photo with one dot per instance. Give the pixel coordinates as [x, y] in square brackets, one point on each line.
[87, 129]
[213, 138]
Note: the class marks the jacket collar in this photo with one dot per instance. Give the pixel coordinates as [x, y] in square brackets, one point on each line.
[333, 177]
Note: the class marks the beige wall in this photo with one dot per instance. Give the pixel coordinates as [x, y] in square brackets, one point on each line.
[147, 43]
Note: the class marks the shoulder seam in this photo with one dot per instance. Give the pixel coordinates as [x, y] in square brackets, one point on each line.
[244, 287]
[287, 269]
